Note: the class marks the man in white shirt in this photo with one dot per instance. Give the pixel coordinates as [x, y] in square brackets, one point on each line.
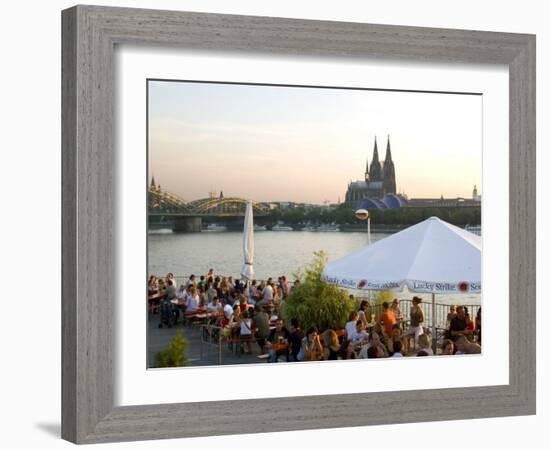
[214, 305]
[359, 336]
[228, 311]
[267, 293]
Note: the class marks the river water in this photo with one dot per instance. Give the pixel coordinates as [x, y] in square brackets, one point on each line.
[275, 253]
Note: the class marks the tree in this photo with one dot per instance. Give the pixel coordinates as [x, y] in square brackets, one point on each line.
[175, 353]
[315, 302]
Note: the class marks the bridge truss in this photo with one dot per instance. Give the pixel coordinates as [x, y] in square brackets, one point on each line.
[165, 203]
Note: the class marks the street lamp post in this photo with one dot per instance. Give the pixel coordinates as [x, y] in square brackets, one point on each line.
[363, 214]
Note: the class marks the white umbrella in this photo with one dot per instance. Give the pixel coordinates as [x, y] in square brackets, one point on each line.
[432, 256]
[247, 270]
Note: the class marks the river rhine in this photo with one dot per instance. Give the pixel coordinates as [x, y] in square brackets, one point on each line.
[275, 253]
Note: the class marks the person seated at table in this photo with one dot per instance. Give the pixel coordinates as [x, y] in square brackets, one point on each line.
[448, 347]
[465, 347]
[235, 321]
[218, 286]
[236, 317]
[331, 345]
[230, 282]
[425, 344]
[311, 349]
[295, 339]
[396, 309]
[170, 276]
[374, 341]
[210, 292]
[387, 319]
[459, 325]
[152, 285]
[246, 334]
[161, 285]
[227, 315]
[277, 342]
[192, 301]
[202, 282]
[181, 293]
[359, 336]
[397, 336]
[203, 298]
[171, 290]
[257, 297]
[451, 314]
[261, 322]
[252, 286]
[397, 350]
[192, 281]
[267, 293]
[249, 298]
[351, 324]
[214, 305]
[243, 302]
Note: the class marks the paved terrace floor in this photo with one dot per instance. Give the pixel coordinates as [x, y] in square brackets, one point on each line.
[159, 337]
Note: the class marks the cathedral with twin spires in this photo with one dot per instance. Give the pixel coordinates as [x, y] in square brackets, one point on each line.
[378, 189]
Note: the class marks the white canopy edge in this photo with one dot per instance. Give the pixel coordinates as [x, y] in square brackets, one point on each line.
[420, 286]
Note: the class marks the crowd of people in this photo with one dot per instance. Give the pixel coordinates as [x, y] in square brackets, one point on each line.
[251, 311]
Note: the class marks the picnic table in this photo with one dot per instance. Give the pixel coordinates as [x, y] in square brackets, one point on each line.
[280, 346]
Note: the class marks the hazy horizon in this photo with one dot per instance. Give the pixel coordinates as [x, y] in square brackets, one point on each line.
[274, 143]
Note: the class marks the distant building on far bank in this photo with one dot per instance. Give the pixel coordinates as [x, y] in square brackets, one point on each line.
[474, 202]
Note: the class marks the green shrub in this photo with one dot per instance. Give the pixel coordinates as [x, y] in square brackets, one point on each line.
[175, 353]
[316, 302]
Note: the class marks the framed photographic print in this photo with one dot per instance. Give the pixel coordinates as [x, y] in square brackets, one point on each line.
[261, 199]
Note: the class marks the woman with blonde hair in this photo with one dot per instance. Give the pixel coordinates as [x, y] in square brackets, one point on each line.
[331, 345]
[243, 302]
[424, 342]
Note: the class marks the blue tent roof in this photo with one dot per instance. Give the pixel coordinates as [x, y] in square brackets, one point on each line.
[389, 201]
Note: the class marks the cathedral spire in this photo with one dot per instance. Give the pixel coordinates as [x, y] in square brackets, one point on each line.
[375, 152]
[367, 170]
[153, 182]
[375, 172]
[389, 172]
[388, 150]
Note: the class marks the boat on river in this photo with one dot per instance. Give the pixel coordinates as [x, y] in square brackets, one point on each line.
[280, 227]
[214, 227]
[328, 227]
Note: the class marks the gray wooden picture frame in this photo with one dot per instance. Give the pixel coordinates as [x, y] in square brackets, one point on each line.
[89, 35]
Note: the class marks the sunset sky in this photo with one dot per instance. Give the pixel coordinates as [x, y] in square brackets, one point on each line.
[272, 143]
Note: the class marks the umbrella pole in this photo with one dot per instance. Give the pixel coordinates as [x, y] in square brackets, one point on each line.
[434, 331]
[368, 229]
